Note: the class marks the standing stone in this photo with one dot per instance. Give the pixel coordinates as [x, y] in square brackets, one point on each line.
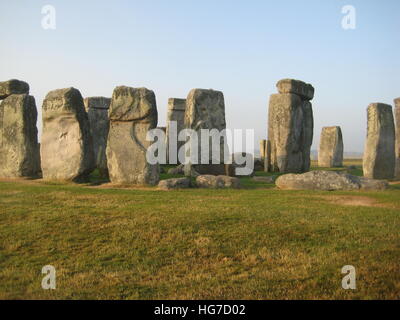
[133, 112]
[307, 134]
[176, 112]
[267, 159]
[97, 110]
[66, 144]
[205, 109]
[330, 152]
[262, 149]
[291, 126]
[397, 120]
[13, 86]
[19, 148]
[379, 154]
[217, 182]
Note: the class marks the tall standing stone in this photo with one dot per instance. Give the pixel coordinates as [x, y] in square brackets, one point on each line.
[397, 120]
[13, 86]
[379, 154]
[265, 154]
[66, 144]
[307, 134]
[97, 110]
[291, 126]
[133, 112]
[176, 112]
[19, 148]
[267, 158]
[262, 149]
[330, 152]
[205, 109]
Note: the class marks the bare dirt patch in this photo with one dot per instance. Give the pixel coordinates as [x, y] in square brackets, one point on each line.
[355, 201]
[23, 180]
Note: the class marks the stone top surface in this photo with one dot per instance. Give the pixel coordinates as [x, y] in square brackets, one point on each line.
[97, 103]
[20, 104]
[379, 105]
[13, 86]
[133, 104]
[205, 109]
[63, 100]
[199, 91]
[331, 128]
[304, 90]
[176, 104]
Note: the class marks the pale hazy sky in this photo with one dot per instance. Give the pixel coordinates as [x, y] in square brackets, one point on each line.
[239, 47]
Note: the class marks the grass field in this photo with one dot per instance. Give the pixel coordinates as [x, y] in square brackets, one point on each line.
[253, 243]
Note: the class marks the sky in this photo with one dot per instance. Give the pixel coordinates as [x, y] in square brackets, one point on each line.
[239, 47]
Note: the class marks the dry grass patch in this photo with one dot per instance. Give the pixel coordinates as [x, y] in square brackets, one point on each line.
[356, 201]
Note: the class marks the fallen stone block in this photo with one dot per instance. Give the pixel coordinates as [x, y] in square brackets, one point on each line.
[177, 183]
[217, 182]
[328, 181]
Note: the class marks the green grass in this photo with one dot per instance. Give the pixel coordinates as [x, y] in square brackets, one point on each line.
[253, 243]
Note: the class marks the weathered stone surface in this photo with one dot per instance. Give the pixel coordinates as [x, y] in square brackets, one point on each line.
[372, 184]
[330, 152]
[217, 182]
[290, 131]
[66, 144]
[307, 135]
[205, 109]
[97, 110]
[177, 183]
[102, 103]
[262, 149]
[177, 170]
[328, 181]
[19, 148]
[133, 112]
[13, 86]
[193, 173]
[379, 155]
[258, 165]
[176, 113]
[397, 121]
[302, 89]
[267, 158]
